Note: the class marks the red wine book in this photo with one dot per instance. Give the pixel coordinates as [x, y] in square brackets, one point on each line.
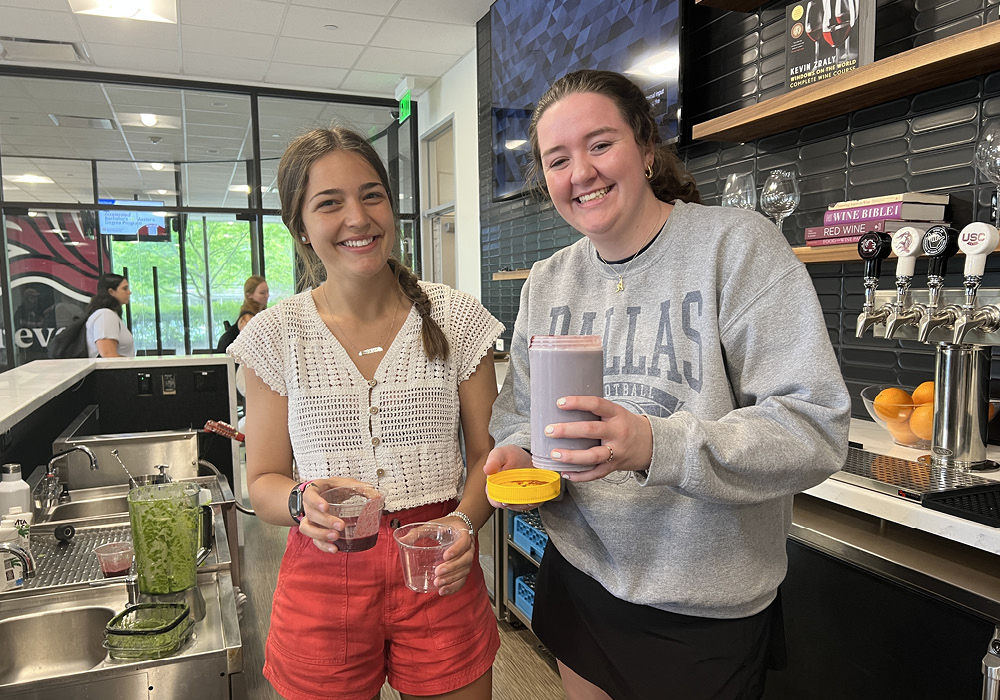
[825, 38]
[857, 228]
[893, 210]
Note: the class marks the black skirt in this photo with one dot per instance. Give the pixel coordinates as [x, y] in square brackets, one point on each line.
[637, 652]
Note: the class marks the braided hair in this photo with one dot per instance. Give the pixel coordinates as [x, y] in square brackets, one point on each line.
[293, 182]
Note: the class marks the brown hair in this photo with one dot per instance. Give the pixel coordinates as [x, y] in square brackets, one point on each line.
[250, 306]
[293, 181]
[670, 179]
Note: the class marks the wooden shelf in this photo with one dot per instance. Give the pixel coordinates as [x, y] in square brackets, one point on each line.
[734, 5]
[828, 253]
[970, 53]
[511, 275]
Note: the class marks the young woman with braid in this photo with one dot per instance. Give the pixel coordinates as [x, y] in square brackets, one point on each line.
[367, 378]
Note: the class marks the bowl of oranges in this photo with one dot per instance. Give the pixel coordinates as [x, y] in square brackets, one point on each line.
[906, 413]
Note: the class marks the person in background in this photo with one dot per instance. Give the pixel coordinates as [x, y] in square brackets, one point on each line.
[255, 296]
[367, 377]
[107, 334]
[29, 313]
[723, 399]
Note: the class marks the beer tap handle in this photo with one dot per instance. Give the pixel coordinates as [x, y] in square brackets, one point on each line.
[977, 241]
[874, 247]
[940, 243]
[906, 245]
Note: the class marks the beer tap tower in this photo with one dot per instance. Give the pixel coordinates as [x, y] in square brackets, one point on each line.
[962, 328]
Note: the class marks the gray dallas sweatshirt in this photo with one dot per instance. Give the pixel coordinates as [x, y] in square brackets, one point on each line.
[719, 339]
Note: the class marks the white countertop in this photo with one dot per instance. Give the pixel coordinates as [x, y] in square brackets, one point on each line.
[25, 388]
[898, 510]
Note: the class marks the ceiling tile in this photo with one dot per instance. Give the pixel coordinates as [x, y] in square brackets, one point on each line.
[200, 64]
[315, 53]
[128, 32]
[55, 5]
[300, 76]
[223, 42]
[38, 24]
[465, 12]
[375, 7]
[238, 15]
[308, 23]
[135, 58]
[381, 60]
[371, 83]
[426, 36]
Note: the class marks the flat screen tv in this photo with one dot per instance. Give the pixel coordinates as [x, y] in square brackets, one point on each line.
[533, 43]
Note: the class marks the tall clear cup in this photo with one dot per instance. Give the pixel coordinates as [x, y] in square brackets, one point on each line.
[562, 365]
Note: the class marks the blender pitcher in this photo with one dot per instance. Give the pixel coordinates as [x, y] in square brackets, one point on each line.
[171, 533]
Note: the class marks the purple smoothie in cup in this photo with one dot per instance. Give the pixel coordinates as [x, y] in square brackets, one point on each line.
[562, 365]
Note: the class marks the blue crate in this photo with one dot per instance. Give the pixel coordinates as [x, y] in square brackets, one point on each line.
[530, 536]
[524, 594]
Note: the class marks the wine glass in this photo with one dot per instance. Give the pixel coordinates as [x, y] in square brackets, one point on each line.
[780, 195]
[987, 158]
[740, 191]
[841, 16]
[813, 25]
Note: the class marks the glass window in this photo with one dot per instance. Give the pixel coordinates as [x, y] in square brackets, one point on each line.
[47, 180]
[279, 259]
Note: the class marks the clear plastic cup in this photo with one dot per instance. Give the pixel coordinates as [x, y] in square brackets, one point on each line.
[421, 549]
[115, 558]
[360, 507]
[562, 365]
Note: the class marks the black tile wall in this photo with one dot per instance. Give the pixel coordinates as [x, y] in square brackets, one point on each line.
[921, 143]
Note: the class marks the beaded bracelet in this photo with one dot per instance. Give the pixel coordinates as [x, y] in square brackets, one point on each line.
[465, 518]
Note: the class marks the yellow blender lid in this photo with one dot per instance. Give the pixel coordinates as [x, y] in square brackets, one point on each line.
[523, 486]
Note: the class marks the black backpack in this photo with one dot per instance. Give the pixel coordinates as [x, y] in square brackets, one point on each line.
[226, 339]
[71, 342]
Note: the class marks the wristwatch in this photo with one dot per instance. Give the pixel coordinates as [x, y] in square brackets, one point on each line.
[295, 507]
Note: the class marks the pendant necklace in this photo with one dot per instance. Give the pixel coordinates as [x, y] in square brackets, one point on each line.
[620, 287]
[366, 351]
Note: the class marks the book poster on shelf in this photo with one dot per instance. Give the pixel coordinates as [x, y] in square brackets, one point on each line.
[826, 38]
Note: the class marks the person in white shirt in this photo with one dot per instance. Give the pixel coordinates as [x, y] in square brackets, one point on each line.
[107, 334]
[368, 378]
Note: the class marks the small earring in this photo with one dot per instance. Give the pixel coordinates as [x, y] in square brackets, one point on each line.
[649, 171]
[304, 239]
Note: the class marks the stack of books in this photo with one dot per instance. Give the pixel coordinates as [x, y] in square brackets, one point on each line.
[846, 222]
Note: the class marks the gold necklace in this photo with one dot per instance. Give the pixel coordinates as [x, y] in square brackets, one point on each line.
[366, 351]
[620, 287]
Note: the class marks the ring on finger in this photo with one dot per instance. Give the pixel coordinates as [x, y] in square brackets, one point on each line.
[611, 453]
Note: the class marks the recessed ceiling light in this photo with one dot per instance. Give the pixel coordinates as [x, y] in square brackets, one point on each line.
[156, 166]
[212, 151]
[275, 136]
[148, 119]
[145, 10]
[219, 104]
[331, 27]
[29, 179]
[32, 213]
[245, 189]
[161, 191]
[155, 139]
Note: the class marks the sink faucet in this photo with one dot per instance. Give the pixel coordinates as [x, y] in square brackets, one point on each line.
[27, 559]
[52, 489]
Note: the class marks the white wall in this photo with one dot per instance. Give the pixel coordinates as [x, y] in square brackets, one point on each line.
[455, 95]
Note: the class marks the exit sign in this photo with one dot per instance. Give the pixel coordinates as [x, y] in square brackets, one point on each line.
[404, 106]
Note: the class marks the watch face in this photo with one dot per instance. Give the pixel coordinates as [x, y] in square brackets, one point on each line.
[295, 504]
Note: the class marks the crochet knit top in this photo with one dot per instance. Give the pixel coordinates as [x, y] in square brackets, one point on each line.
[398, 431]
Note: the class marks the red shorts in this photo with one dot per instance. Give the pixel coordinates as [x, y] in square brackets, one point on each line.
[342, 623]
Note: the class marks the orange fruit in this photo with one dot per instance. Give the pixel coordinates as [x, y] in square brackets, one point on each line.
[893, 405]
[901, 433]
[924, 393]
[922, 421]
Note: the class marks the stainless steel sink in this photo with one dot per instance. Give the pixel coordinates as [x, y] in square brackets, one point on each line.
[75, 510]
[52, 643]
